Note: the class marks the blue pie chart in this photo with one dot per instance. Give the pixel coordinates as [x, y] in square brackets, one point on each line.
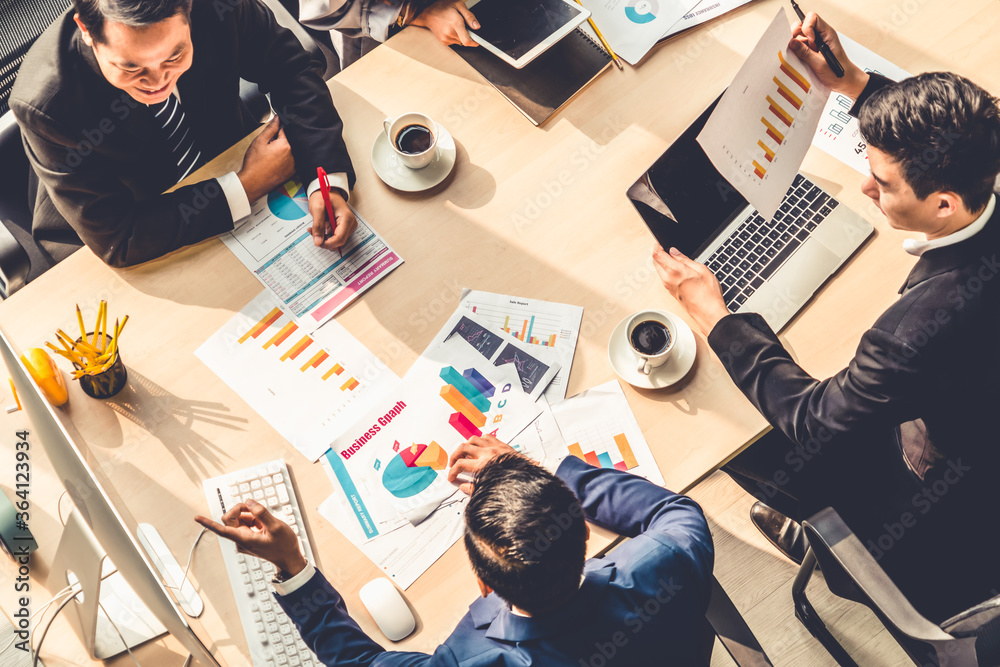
[405, 482]
[289, 202]
[642, 11]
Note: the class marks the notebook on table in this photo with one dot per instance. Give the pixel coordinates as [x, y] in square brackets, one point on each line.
[547, 83]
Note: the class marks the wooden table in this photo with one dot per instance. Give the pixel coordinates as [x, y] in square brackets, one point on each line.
[539, 212]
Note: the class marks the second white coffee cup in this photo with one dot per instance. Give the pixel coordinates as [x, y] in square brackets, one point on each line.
[651, 335]
[413, 137]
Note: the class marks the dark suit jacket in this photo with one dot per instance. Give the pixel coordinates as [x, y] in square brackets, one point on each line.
[922, 383]
[643, 604]
[99, 156]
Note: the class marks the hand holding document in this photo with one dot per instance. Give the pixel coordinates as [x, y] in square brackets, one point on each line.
[763, 126]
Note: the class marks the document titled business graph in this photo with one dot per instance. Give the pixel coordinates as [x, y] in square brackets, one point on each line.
[308, 386]
[764, 124]
[313, 283]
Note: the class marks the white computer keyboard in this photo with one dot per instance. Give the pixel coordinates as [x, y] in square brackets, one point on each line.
[271, 635]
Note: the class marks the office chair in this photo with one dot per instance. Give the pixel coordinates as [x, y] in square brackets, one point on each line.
[970, 639]
[733, 632]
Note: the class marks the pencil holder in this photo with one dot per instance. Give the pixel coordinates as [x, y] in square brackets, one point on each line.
[106, 383]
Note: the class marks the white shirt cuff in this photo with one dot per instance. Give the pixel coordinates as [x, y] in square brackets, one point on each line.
[338, 180]
[289, 586]
[239, 204]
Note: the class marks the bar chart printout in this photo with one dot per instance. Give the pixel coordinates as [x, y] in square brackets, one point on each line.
[301, 383]
[598, 427]
[764, 124]
[535, 322]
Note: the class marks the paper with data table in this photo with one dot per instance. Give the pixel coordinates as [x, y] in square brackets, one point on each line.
[392, 497]
[838, 133]
[308, 386]
[312, 283]
[764, 124]
[551, 328]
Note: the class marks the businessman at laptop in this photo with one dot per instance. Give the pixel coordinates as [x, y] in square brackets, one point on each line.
[902, 442]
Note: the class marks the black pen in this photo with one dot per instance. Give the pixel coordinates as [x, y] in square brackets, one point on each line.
[831, 59]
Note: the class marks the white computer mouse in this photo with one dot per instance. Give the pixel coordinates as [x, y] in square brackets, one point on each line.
[386, 605]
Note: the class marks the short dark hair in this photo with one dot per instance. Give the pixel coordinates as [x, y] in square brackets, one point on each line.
[943, 131]
[134, 13]
[525, 534]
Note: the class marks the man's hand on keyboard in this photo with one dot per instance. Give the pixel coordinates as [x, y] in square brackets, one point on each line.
[693, 285]
[259, 533]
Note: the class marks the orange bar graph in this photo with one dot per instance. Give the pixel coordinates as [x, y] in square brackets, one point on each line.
[460, 403]
[768, 153]
[591, 458]
[262, 325]
[787, 93]
[782, 115]
[793, 73]
[279, 338]
[758, 170]
[506, 324]
[316, 360]
[576, 451]
[350, 385]
[523, 330]
[552, 340]
[626, 449]
[337, 368]
[296, 350]
[772, 131]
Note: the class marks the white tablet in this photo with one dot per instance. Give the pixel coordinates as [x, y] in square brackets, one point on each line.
[520, 30]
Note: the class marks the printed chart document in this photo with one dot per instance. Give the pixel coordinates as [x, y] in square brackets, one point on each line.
[704, 11]
[764, 124]
[633, 26]
[536, 367]
[308, 386]
[542, 324]
[598, 427]
[390, 468]
[312, 283]
[838, 132]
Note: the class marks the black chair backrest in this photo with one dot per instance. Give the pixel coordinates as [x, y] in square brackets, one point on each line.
[23, 21]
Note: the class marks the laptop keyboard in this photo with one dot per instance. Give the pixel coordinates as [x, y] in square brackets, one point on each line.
[757, 248]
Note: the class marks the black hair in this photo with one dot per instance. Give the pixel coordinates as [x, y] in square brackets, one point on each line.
[134, 13]
[525, 534]
[942, 130]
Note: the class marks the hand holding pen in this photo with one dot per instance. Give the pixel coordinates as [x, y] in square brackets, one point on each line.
[333, 220]
[817, 44]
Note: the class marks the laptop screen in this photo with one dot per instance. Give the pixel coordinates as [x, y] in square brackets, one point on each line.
[683, 199]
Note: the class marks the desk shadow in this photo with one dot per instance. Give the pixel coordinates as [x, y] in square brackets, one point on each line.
[170, 420]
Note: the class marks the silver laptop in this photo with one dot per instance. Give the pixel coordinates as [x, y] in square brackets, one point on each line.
[771, 267]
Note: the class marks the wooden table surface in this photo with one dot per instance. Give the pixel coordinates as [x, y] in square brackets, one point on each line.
[537, 212]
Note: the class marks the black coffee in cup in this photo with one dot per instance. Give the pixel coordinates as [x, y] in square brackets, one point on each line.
[650, 337]
[414, 139]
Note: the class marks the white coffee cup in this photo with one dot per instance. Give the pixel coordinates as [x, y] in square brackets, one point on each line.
[393, 128]
[647, 359]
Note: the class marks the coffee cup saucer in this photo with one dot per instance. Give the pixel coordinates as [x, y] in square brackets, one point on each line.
[400, 177]
[680, 361]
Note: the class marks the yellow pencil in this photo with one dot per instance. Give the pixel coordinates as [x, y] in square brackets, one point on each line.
[604, 42]
[104, 325]
[121, 328]
[79, 319]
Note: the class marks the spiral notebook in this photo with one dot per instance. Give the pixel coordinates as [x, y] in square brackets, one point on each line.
[547, 83]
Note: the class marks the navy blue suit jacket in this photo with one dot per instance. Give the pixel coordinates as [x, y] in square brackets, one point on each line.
[642, 604]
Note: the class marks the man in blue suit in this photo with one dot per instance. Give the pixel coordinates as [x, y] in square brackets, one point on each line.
[542, 602]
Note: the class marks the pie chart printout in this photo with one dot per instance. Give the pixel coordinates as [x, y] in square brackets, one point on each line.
[289, 202]
[414, 469]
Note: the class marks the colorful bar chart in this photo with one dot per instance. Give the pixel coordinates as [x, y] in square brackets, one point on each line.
[297, 349]
[604, 459]
[282, 335]
[778, 113]
[315, 361]
[466, 393]
[261, 326]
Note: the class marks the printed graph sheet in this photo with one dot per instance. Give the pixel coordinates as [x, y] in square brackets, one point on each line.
[312, 283]
[764, 124]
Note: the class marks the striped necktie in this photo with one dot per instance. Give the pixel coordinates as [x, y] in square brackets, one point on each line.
[177, 134]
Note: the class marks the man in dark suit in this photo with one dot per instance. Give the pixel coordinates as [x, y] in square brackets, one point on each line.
[119, 100]
[902, 442]
[542, 603]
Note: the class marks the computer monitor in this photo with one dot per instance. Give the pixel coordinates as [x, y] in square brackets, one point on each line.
[100, 506]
